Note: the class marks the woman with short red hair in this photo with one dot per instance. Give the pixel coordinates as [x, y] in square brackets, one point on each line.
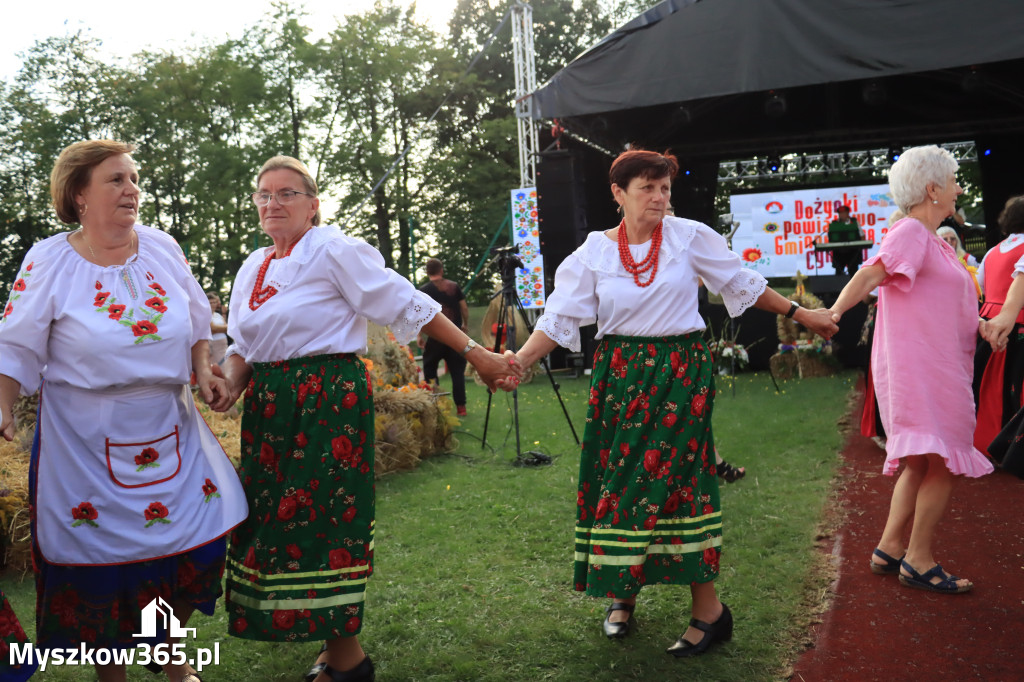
[648, 509]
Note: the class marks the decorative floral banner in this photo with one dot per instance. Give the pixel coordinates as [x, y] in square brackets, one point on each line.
[526, 235]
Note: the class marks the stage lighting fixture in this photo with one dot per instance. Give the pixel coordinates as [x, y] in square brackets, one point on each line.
[774, 163]
[775, 105]
[873, 93]
[987, 152]
[894, 152]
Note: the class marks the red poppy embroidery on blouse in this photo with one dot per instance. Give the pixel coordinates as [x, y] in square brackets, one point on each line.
[156, 512]
[84, 513]
[143, 321]
[19, 286]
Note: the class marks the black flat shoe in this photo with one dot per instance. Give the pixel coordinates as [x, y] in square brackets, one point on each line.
[621, 629]
[719, 631]
[729, 473]
[317, 667]
[361, 673]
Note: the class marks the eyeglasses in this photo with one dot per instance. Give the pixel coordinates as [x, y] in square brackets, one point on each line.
[284, 197]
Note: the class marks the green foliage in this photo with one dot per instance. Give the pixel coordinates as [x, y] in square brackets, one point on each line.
[207, 117]
[474, 557]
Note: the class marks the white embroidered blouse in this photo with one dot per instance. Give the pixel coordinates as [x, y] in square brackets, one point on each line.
[592, 285]
[96, 327]
[326, 290]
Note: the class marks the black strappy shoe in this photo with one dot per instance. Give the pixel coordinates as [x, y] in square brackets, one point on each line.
[729, 473]
[719, 631]
[317, 667]
[620, 629]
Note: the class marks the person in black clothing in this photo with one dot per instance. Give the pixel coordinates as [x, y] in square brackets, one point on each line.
[454, 307]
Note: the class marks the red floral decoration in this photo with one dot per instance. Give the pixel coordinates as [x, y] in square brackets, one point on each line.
[144, 328]
[156, 512]
[84, 513]
[157, 304]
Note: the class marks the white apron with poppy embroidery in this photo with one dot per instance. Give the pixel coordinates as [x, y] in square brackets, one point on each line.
[127, 469]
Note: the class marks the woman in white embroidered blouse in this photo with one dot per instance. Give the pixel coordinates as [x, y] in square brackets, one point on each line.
[647, 469]
[298, 318]
[132, 494]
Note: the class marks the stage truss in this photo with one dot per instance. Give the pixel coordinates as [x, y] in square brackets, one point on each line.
[826, 165]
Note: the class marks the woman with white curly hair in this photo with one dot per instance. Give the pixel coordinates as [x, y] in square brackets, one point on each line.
[922, 364]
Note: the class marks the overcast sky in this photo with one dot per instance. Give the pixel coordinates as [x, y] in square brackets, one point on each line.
[127, 27]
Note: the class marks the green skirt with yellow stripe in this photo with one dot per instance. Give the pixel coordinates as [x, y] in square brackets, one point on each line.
[648, 508]
[298, 566]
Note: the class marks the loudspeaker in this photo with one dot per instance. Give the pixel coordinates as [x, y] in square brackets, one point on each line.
[561, 196]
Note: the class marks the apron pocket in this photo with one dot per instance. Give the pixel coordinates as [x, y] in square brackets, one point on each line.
[136, 465]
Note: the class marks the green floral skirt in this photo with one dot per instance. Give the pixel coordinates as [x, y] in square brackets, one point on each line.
[648, 509]
[298, 566]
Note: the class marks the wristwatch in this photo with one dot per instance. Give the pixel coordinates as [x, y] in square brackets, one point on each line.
[793, 307]
[469, 346]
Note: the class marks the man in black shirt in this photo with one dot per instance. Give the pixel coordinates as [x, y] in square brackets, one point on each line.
[454, 307]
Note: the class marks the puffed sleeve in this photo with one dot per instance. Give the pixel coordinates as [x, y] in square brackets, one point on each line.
[902, 253]
[198, 305]
[723, 272]
[572, 304]
[25, 326]
[238, 299]
[1018, 268]
[376, 292]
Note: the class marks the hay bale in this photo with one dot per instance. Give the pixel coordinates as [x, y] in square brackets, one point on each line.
[15, 525]
[411, 424]
[784, 366]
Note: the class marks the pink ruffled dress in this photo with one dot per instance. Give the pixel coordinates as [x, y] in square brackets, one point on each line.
[923, 354]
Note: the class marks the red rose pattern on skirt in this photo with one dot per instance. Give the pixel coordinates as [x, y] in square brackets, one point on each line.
[11, 633]
[298, 566]
[647, 506]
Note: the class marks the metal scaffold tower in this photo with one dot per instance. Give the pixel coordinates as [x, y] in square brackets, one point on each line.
[526, 83]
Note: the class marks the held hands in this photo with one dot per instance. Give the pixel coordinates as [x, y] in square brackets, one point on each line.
[821, 321]
[512, 383]
[222, 396]
[497, 371]
[996, 331]
[213, 389]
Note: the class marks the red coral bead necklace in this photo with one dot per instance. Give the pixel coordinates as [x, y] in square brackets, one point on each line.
[650, 263]
[261, 294]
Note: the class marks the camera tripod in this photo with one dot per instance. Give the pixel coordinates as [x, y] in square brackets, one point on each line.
[506, 329]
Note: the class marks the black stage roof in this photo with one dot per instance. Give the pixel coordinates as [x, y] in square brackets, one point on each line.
[716, 79]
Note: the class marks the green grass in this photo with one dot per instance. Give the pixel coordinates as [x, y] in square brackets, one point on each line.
[474, 556]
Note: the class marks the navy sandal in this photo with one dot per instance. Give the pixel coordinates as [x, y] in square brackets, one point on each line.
[923, 581]
[890, 566]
